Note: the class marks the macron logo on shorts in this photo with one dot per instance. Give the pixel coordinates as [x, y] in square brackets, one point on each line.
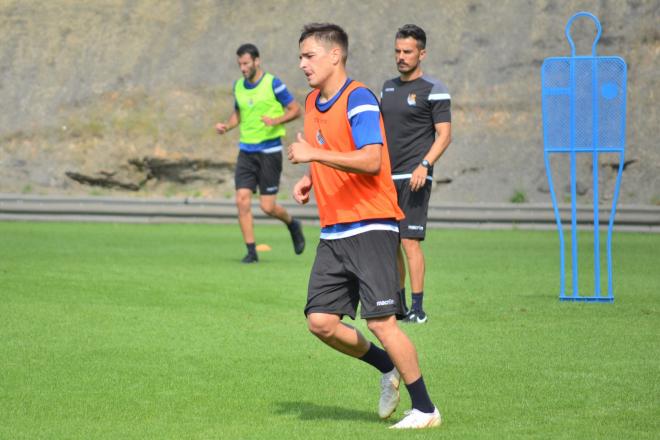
[271, 188]
[387, 302]
[416, 227]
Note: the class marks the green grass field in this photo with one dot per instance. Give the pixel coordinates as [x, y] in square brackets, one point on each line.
[113, 331]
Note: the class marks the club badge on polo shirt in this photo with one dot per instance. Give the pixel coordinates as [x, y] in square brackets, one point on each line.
[319, 137]
[412, 99]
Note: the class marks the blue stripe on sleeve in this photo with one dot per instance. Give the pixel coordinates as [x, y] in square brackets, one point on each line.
[281, 92]
[364, 116]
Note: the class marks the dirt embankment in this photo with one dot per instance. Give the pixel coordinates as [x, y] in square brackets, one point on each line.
[120, 97]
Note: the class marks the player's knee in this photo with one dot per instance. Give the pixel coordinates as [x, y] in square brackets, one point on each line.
[242, 199]
[380, 326]
[268, 208]
[411, 244]
[321, 328]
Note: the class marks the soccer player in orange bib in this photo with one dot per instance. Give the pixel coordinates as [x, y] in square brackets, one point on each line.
[356, 259]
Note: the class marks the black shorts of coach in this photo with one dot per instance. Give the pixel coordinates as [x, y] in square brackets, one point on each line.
[359, 269]
[415, 206]
[259, 169]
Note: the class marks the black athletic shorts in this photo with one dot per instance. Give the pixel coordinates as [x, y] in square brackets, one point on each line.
[361, 268]
[415, 205]
[262, 169]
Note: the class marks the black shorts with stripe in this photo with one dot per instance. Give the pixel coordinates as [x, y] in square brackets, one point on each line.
[259, 169]
[358, 269]
[415, 205]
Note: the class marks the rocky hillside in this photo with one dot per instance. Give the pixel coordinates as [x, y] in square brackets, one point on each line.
[120, 97]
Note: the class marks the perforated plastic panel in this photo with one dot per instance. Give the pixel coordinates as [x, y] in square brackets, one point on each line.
[584, 111]
[584, 102]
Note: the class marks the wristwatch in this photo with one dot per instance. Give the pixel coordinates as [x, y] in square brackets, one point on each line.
[426, 164]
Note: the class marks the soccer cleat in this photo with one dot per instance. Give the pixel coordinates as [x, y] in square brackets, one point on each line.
[389, 393]
[295, 228]
[415, 419]
[402, 316]
[415, 317]
[250, 258]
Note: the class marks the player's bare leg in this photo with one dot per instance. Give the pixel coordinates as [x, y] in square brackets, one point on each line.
[416, 264]
[401, 267]
[398, 346]
[348, 340]
[416, 269]
[403, 354]
[342, 337]
[270, 207]
[243, 203]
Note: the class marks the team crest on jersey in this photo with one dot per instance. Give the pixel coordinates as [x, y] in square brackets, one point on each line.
[250, 102]
[319, 137]
[412, 99]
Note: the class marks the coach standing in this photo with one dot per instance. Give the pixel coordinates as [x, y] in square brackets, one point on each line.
[262, 106]
[416, 112]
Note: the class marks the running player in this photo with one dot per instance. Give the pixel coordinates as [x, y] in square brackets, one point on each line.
[349, 170]
[262, 106]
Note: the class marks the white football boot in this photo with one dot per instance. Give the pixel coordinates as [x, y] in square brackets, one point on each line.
[415, 419]
[389, 393]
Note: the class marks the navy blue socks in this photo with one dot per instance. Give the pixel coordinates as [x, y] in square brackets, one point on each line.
[420, 397]
[417, 299]
[378, 358]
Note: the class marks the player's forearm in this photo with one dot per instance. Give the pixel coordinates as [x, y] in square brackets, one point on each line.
[363, 161]
[292, 112]
[233, 121]
[439, 146]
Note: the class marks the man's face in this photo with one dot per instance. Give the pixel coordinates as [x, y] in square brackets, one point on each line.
[407, 54]
[248, 66]
[317, 61]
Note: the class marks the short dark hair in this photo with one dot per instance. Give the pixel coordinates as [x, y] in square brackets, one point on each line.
[248, 48]
[412, 31]
[329, 33]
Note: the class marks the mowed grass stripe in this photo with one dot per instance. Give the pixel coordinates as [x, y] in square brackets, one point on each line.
[157, 331]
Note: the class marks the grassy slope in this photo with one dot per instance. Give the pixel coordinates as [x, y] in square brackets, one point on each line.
[141, 331]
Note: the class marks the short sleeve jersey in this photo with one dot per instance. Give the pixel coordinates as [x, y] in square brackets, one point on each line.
[410, 111]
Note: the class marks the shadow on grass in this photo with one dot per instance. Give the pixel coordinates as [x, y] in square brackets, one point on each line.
[312, 411]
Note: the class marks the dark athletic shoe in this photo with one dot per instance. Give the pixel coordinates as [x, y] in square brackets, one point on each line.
[250, 258]
[414, 317]
[295, 228]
